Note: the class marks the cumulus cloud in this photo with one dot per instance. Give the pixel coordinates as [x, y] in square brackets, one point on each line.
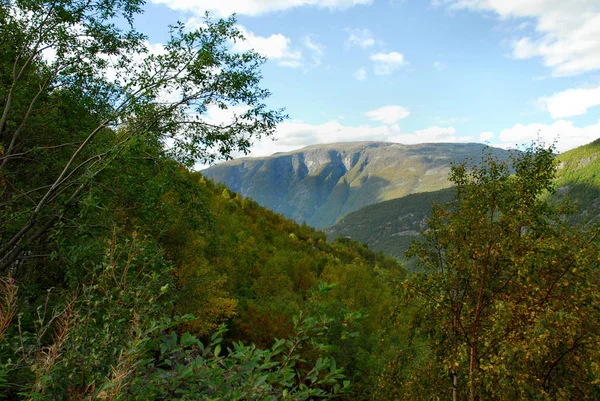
[360, 74]
[387, 63]
[218, 116]
[572, 102]
[442, 134]
[564, 132]
[293, 135]
[388, 114]
[255, 7]
[275, 47]
[316, 49]
[360, 37]
[486, 136]
[452, 120]
[567, 32]
[279, 48]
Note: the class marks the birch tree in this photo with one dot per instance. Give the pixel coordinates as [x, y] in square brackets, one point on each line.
[509, 290]
[60, 49]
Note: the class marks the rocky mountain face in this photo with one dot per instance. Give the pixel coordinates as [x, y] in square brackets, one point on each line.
[391, 226]
[321, 183]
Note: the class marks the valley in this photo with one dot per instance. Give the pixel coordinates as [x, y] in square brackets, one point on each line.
[405, 260]
[381, 194]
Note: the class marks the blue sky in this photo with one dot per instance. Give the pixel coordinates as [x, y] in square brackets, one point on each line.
[414, 71]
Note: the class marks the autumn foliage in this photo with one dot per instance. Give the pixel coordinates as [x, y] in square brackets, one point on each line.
[506, 291]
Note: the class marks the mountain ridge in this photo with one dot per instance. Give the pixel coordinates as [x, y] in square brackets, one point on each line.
[319, 184]
[392, 225]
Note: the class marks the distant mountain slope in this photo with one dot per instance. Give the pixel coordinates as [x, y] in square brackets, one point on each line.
[391, 226]
[321, 183]
[579, 180]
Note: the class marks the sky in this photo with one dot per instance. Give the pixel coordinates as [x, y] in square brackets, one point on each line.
[503, 72]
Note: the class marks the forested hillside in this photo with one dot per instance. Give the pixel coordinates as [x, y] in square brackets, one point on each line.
[578, 179]
[125, 275]
[269, 266]
[321, 183]
[390, 226]
[120, 267]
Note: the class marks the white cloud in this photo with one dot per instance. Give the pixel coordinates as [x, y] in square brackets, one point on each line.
[486, 136]
[293, 135]
[452, 120]
[388, 114]
[49, 55]
[316, 49]
[439, 66]
[360, 37]
[254, 7]
[567, 135]
[433, 134]
[567, 32]
[290, 63]
[279, 48]
[218, 116]
[572, 102]
[275, 47]
[360, 74]
[387, 63]
[439, 134]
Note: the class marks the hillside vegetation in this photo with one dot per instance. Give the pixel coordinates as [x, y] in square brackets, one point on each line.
[125, 275]
[578, 179]
[390, 226]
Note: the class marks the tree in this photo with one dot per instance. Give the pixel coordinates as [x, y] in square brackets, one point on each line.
[114, 340]
[509, 289]
[57, 50]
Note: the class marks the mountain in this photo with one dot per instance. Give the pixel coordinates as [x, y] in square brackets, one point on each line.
[578, 179]
[391, 226]
[321, 183]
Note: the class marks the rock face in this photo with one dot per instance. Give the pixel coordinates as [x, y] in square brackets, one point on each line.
[321, 183]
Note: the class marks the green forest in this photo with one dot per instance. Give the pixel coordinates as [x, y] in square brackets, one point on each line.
[127, 275]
